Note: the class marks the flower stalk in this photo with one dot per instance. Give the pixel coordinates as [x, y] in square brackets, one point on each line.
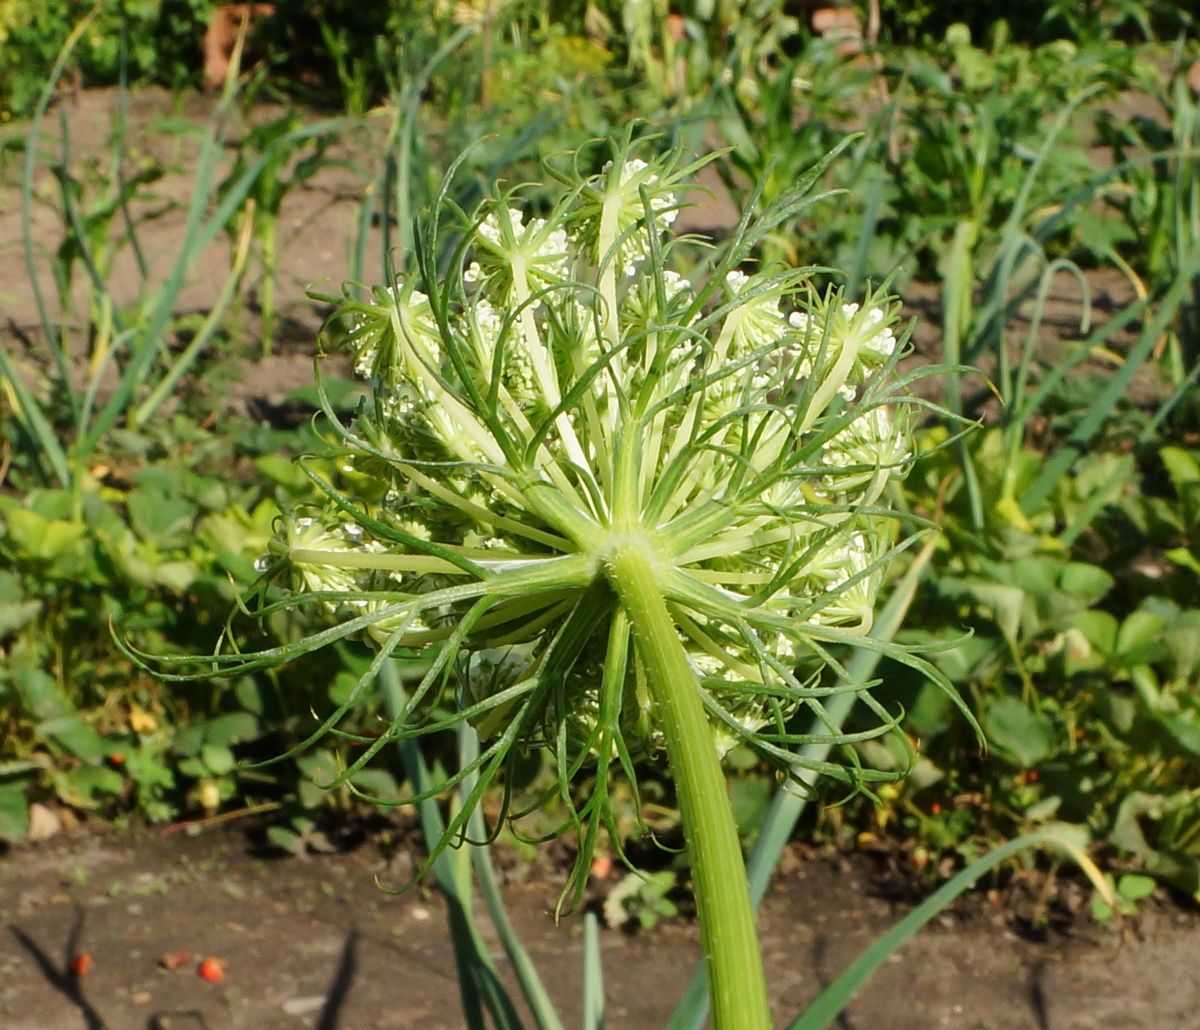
[728, 938]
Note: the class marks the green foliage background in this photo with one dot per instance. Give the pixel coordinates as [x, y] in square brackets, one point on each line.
[1063, 599]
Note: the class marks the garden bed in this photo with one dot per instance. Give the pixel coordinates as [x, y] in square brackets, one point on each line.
[1078, 603]
[290, 929]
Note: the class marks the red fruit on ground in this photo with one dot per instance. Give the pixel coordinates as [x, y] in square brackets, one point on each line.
[212, 970]
[175, 959]
[81, 964]
[601, 867]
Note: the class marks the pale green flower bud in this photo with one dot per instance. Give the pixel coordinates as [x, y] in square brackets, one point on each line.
[312, 539]
[871, 444]
[851, 340]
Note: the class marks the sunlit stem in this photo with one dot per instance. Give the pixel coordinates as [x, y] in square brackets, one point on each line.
[831, 383]
[737, 987]
[464, 427]
[609, 224]
[371, 560]
[481, 514]
[684, 432]
[546, 459]
[539, 358]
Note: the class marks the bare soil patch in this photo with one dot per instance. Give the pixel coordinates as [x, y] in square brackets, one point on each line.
[316, 943]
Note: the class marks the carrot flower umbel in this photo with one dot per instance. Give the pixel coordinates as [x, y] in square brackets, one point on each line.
[629, 496]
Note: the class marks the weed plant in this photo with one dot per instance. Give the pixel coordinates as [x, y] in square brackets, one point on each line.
[601, 513]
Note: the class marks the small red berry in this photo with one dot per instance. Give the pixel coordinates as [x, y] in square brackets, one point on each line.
[81, 964]
[601, 867]
[212, 970]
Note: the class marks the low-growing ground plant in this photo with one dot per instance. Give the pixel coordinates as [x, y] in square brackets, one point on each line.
[158, 537]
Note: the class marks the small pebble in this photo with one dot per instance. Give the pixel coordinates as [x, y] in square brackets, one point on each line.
[303, 1006]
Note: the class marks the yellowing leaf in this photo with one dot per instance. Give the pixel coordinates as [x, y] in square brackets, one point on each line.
[141, 721]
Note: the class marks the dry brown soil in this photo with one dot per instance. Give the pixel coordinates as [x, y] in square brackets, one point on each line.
[314, 942]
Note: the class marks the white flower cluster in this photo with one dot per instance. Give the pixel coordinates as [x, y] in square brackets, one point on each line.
[844, 334]
[572, 388]
[506, 239]
[625, 196]
[326, 543]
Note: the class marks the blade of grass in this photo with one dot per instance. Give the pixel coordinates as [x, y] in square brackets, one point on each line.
[478, 981]
[593, 975]
[123, 193]
[29, 412]
[410, 104]
[957, 302]
[831, 1001]
[531, 984]
[198, 235]
[212, 322]
[995, 308]
[1101, 407]
[54, 341]
[866, 236]
[77, 228]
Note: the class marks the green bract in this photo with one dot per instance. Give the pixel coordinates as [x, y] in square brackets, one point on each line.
[563, 395]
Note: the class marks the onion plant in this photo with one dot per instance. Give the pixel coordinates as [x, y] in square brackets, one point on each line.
[612, 511]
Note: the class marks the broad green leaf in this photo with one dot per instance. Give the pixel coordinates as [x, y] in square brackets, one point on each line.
[249, 693]
[378, 783]
[1005, 603]
[14, 812]
[750, 796]
[1181, 466]
[176, 575]
[1184, 558]
[189, 740]
[1175, 867]
[86, 785]
[41, 695]
[1077, 652]
[193, 768]
[1025, 735]
[1087, 582]
[1140, 637]
[161, 520]
[284, 471]
[343, 686]
[1100, 630]
[231, 729]
[1183, 732]
[285, 839]
[1183, 642]
[218, 758]
[40, 538]
[1135, 887]
[75, 736]
[16, 614]
[52, 505]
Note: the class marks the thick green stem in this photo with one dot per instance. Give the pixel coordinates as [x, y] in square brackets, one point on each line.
[737, 987]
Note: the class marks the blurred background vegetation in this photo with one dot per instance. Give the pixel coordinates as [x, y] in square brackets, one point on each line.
[1029, 180]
